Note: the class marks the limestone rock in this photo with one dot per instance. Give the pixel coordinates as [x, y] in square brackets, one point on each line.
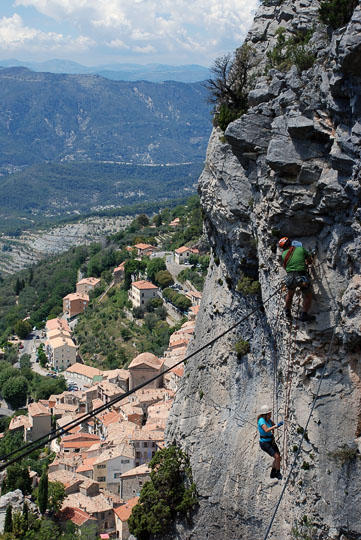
[290, 166]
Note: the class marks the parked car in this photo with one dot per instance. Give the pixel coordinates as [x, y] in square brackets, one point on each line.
[21, 346]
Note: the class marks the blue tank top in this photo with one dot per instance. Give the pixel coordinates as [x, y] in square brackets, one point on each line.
[264, 436]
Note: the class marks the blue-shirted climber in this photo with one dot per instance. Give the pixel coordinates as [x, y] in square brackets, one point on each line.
[267, 442]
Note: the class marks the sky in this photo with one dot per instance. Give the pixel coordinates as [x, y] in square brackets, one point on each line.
[93, 32]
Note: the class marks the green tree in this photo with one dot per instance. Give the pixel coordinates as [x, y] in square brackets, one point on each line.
[15, 391]
[170, 493]
[132, 267]
[25, 361]
[163, 278]
[42, 496]
[8, 525]
[143, 220]
[89, 532]
[56, 496]
[154, 266]
[6, 373]
[230, 84]
[157, 220]
[17, 477]
[193, 259]
[22, 328]
[45, 387]
[337, 13]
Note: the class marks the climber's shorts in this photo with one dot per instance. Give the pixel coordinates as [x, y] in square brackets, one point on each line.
[298, 279]
[270, 448]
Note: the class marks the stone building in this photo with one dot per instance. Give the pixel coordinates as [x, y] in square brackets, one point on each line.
[142, 368]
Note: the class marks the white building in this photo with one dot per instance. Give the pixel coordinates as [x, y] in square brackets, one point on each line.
[141, 292]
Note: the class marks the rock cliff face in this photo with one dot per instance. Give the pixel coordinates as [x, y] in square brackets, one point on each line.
[289, 167]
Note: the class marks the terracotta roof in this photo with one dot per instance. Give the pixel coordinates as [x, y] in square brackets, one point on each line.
[87, 465]
[57, 323]
[89, 281]
[86, 436]
[76, 296]
[179, 343]
[110, 418]
[82, 369]
[19, 421]
[113, 373]
[38, 409]
[78, 444]
[194, 309]
[110, 389]
[142, 469]
[98, 503]
[113, 453]
[97, 403]
[143, 285]
[77, 516]
[178, 371]
[182, 249]
[60, 340]
[120, 268]
[146, 358]
[144, 246]
[123, 512]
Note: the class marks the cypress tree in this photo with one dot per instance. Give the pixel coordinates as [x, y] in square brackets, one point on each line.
[43, 493]
[26, 516]
[8, 525]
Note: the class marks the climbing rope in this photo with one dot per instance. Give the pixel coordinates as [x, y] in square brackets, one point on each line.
[38, 443]
[304, 432]
[275, 360]
[288, 380]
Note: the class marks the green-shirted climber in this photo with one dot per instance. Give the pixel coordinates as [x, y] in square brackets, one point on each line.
[296, 260]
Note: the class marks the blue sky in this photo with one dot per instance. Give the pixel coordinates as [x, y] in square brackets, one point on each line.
[116, 31]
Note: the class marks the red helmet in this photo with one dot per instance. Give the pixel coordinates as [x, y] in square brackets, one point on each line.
[283, 242]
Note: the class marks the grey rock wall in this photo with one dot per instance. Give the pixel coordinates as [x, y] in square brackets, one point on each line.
[289, 167]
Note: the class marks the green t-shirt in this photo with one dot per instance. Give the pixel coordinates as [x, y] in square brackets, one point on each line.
[296, 262]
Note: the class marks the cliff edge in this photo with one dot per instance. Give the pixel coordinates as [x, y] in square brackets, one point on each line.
[290, 167]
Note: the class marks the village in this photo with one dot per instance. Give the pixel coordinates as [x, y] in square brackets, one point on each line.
[103, 461]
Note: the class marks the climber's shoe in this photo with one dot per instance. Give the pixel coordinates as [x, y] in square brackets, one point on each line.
[288, 313]
[273, 473]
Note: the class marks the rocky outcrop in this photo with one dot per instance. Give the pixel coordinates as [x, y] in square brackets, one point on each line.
[289, 167]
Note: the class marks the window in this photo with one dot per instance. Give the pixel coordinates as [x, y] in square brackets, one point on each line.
[125, 461]
[137, 455]
[145, 445]
[101, 466]
[101, 479]
[117, 475]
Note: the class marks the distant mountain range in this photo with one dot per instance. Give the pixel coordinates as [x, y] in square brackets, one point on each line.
[70, 144]
[51, 117]
[189, 73]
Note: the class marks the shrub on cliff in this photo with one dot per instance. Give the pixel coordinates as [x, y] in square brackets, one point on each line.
[336, 13]
[291, 49]
[170, 493]
[230, 85]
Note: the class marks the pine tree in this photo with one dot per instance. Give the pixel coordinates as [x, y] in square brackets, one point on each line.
[43, 493]
[8, 526]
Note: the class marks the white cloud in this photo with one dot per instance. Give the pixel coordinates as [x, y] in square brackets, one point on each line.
[15, 35]
[205, 26]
